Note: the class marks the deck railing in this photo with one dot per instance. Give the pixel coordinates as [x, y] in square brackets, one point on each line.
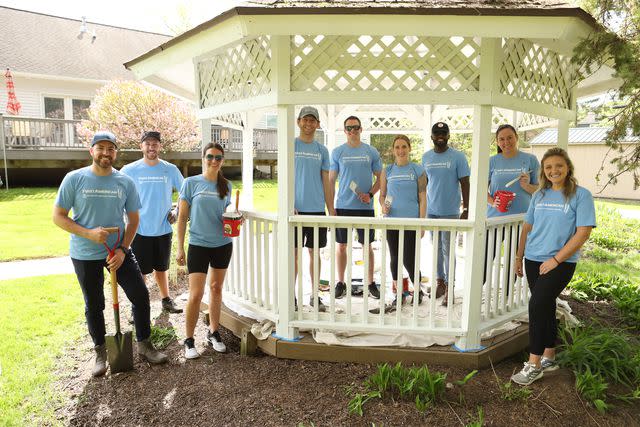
[33, 133]
[252, 278]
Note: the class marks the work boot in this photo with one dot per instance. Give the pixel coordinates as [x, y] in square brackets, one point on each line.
[150, 354]
[169, 306]
[441, 287]
[100, 363]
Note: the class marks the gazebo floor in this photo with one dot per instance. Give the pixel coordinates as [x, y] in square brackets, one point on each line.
[495, 349]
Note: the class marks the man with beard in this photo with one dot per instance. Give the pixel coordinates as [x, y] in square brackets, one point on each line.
[155, 180]
[447, 173]
[100, 196]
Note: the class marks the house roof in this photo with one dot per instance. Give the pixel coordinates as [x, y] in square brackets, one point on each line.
[37, 43]
[583, 135]
[489, 4]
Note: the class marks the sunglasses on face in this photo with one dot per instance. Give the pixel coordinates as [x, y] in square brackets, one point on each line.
[217, 157]
[353, 127]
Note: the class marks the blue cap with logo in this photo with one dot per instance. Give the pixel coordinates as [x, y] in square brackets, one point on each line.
[103, 135]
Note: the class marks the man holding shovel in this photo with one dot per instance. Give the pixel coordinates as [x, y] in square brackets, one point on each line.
[100, 196]
[155, 180]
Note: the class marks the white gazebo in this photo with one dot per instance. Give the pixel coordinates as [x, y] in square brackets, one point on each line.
[481, 62]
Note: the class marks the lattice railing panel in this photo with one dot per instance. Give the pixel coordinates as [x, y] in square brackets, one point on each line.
[532, 121]
[384, 63]
[388, 123]
[535, 73]
[239, 72]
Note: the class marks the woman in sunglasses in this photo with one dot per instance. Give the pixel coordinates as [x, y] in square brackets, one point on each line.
[204, 198]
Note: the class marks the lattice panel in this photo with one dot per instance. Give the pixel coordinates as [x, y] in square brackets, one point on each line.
[388, 123]
[237, 73]
[532, 121]
[384, 63]
[532, 72]
[461, 119]
[232, 119]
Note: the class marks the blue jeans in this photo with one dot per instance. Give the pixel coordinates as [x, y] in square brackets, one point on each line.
[443, 248]
[91, 278]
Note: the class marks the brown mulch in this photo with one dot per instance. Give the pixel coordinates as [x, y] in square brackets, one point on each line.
[231, 390]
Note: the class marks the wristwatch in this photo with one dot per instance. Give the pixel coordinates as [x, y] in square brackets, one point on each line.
[126, 251]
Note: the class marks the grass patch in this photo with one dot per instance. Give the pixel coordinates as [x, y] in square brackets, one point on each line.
[40, 317]
[161, 337]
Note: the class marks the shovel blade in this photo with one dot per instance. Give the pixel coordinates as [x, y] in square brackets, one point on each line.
[120, 352]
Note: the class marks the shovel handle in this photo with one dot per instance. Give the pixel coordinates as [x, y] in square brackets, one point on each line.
[111, 229]
[114, 294]
[237, 199]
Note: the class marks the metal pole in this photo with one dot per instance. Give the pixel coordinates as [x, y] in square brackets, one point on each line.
[4, 151]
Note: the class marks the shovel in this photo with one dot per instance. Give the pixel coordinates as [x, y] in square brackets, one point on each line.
[119, 345]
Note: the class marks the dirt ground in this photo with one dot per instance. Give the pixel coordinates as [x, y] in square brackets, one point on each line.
[231, 390]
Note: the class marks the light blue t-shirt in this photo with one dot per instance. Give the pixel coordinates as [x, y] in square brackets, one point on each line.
[310, 160]
[355, 164]
[97, 201]
[155, 184]
[402, 185]
[205, 210]
[554, 222]
[444, 171]
[503, 170]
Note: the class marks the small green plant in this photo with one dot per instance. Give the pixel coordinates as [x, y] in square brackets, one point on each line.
[510, 392]
[593, 388]
[479, 421]
[161, 337]
[359, 399]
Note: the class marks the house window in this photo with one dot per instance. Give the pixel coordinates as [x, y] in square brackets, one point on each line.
[54, 108]
[272, 121]
[80, 109]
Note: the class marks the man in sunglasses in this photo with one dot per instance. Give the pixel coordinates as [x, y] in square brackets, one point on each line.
[447, 174]
[155, 181]
[312, 190]
[354, 164]
[100, 196]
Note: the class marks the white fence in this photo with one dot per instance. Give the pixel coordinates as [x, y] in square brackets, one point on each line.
[252, 280]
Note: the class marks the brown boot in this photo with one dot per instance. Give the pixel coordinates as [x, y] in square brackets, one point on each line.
[441, 287]
[100, 362]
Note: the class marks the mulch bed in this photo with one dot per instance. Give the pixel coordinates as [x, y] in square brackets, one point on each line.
[231, 390]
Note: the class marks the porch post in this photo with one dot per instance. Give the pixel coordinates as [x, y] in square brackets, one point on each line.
[248, 121]
[280, 50]
[563, 134]
[474, 250]
[4, 151]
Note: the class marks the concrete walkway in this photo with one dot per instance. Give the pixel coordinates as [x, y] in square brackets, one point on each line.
[35, 267]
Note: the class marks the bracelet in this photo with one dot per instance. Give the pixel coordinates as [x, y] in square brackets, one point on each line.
[555, 259]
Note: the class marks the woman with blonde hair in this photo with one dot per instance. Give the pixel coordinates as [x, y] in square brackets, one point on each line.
[558, 222]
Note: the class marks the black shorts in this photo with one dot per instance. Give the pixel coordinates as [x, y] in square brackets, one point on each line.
[307, 233]
[341, 233]
[152, 252]
[200, 258]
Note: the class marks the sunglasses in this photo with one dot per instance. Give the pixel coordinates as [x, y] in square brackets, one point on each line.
[217, 157]
[354, 127]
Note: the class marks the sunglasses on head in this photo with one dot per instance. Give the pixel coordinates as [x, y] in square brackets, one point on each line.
[353, 127]
[217, 157]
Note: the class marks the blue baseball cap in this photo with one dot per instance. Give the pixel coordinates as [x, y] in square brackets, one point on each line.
[104, 135]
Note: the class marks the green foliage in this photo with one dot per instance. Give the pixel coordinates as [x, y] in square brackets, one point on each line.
[479, 421]
[509, 391]
[606, 352]
[384, 144]
[614, 232]
[593, 388]
[416, 383]
[161, 337]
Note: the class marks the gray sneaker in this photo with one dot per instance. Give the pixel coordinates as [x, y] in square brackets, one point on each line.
[549, 365]
[527, 375]
[150, 354]
[100, 363]
[321, 307]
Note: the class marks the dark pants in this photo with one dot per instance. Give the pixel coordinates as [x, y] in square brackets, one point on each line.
[543, 327]
[408, 255]
[91, 278]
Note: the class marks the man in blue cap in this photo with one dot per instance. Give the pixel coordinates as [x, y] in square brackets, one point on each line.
[155, 180]
[100, 196]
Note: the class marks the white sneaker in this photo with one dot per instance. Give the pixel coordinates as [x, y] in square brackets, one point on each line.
[528, 374]
[216, 341]
[548, 365]
[190, 351]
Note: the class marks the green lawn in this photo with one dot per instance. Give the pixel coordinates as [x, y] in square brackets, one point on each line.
[40, 316]
[620, 204]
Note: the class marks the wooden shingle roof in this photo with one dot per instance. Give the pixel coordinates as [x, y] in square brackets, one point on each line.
[36, 43]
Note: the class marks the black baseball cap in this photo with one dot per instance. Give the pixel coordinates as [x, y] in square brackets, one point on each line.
[151, 134]
[440, 127]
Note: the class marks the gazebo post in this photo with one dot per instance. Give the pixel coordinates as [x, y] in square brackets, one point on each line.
[281, 51]
[563, 134]
[247, 159]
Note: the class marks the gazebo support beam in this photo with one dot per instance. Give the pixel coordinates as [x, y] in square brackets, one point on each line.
[563, 134]
[248, 121]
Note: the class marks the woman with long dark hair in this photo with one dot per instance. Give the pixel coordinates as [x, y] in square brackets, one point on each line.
[558, 222]
[204, 198]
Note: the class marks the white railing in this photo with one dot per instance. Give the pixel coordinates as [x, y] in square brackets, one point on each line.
[252, 276]
[34, 133]
[354, 314]
[505, 296]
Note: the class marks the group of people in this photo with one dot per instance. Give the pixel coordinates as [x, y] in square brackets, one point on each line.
[559, 219]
